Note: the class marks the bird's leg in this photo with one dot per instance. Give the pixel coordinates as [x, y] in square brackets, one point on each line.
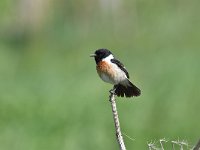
[112, 91]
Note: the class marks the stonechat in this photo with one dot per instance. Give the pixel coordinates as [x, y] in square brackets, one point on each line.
[113, 71]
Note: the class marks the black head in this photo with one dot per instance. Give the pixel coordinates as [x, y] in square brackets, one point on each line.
[100, 54]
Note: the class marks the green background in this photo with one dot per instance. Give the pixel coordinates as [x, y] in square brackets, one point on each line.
[51, 97]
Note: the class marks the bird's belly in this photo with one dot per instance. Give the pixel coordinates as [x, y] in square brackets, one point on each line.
[107, 78]
[111, 73]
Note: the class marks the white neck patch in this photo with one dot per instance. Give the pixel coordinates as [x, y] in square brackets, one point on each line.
[108, 58]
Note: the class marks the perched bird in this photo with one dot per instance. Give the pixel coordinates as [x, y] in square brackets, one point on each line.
[113, 71]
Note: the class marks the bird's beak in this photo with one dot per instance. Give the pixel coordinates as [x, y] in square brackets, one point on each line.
[93, 55]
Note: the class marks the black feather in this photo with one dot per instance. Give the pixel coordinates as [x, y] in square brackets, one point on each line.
[121, 66]
[128, 91]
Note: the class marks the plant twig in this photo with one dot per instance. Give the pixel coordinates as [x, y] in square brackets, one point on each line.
[116, 120]
[161, 143]
[197, 146]
[180, 143]
[152, 145]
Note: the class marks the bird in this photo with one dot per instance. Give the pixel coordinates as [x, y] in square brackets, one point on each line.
[112, 71]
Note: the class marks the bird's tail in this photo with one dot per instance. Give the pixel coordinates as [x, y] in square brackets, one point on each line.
[129, 90]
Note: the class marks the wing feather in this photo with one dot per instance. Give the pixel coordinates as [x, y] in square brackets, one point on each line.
[121, 66]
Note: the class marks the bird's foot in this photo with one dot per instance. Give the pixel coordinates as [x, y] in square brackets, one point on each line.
[112, 91]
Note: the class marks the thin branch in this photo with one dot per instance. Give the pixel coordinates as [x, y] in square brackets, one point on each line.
[116, 120]
[197, 146]
[161, 143]
[152, 145]
[180, 143]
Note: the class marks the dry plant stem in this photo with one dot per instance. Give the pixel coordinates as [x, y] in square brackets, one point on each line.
[116, 120]
[197, 146]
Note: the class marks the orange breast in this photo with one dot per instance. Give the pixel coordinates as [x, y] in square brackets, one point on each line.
[104, 67]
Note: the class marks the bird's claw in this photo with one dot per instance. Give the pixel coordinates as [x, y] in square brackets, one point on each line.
[112, 91]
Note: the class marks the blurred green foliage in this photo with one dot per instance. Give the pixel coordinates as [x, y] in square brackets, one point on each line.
[50, 95]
